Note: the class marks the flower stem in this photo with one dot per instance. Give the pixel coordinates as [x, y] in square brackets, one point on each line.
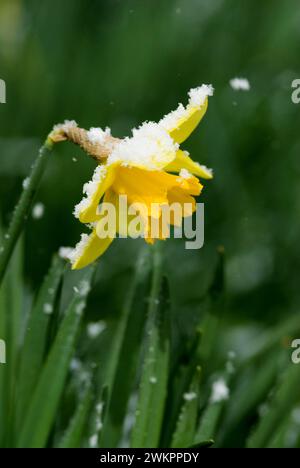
[22, 209]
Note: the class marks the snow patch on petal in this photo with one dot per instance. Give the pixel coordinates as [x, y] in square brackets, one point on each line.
[79, 248]
[65, 252]
[170, 121]
[197, 98]
[89, 189]
[150, 147]
[185, 174]
[198, 95]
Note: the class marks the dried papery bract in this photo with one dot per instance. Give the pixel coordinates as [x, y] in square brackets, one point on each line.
[69, 131]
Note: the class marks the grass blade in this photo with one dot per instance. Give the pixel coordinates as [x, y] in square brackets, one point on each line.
[182, 372]
[11, 316]
[124, 352]
[73, 435]
[153, 387]
[210, 418]
[40, 416]
[22, 209]
[98, 416]
[286, 396]
[186, 425]
[34, 348]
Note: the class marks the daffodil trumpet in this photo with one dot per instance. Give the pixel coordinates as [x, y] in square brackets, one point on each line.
[149, 168]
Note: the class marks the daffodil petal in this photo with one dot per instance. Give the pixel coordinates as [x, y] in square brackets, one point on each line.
[184, 161]
[187, 202]
[183, 121]
[187, 124]
[102, 179]
[89, 249]
[156, 230]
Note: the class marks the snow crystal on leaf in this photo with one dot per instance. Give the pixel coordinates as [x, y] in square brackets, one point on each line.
[93, 441]
[190, 396]
[25, 183]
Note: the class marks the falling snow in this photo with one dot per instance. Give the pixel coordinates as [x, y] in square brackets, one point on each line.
[153, 380]
[48, 309]
[240, 84]
[38, 211]
[220, 391]
[95, 329]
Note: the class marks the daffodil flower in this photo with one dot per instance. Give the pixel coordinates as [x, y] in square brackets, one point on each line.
[149, 168]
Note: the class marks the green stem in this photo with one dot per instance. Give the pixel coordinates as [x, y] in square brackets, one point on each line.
[21, 211]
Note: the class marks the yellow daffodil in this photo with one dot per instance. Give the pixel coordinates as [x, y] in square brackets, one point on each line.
[141, 167]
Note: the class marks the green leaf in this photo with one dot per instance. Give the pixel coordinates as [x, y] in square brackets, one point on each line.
[186, 425]
[11, 324]
[22, 209]
[251, 391]
[33, 351]
[210, 418]
[204, 444]
[153, 387]
[124, 352]
[42, 410]
[73, 436]
[211, 321]
[98, 416]
[180, 380]
[286, 395]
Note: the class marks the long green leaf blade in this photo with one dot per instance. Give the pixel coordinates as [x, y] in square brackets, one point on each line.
[74, 433]
[123, 355]
[46, 398]
[153, 387]
[186, 425]
[34, 347]
[286, 395]
[22, 209]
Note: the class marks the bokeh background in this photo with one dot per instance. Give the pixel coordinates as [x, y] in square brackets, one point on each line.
[118, 63]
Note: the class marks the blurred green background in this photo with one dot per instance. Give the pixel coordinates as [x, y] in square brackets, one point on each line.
[117, 63]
